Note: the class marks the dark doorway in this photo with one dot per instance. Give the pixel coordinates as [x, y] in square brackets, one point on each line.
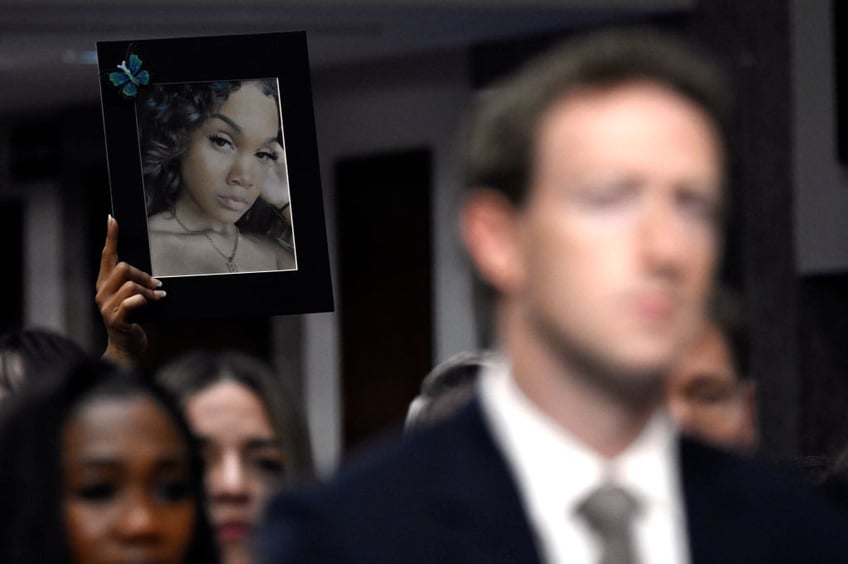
[383, 218]
[11, 247]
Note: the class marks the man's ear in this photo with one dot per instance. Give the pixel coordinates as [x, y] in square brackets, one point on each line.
[490, 231]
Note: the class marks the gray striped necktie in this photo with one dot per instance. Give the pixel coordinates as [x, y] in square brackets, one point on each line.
[609, 511]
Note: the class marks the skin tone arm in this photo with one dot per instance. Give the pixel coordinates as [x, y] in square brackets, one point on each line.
[121, 289]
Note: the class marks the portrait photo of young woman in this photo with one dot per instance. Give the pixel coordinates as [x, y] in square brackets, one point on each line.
[215, 178]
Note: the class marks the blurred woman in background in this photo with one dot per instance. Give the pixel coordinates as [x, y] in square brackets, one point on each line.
[99, 466]
[252, 438]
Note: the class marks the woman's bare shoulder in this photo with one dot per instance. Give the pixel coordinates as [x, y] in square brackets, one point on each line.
[162, 222]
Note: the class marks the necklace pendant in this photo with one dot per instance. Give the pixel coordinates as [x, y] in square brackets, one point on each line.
[231, 266]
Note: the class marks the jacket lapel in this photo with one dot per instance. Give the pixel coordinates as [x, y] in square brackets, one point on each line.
[480, 505]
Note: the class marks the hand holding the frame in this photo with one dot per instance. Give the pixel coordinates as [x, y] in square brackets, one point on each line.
[121, 289]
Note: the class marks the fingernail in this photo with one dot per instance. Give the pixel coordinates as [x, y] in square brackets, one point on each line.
[160, 293]
[157, 282]
[108, 220]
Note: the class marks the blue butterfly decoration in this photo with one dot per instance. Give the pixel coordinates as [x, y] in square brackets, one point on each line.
[130, 77]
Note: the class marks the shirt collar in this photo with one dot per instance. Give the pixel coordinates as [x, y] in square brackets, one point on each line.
[542, 453]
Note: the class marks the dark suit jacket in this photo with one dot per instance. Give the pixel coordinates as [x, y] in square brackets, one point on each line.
[445, 495]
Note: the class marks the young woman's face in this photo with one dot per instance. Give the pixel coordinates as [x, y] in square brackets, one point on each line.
[244, 462]
[230, 154]
[127, 494]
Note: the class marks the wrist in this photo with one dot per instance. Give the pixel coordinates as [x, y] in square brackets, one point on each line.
[121, 355]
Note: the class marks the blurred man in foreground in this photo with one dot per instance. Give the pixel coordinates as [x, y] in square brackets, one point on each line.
[596, 179]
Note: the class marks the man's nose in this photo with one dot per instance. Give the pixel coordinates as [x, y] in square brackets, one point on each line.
[663, 238]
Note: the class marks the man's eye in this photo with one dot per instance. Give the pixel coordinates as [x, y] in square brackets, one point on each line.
[712, 396]
[699, 206]
[606, 195]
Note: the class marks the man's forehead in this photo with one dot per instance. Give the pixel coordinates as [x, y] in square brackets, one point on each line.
[618, 123]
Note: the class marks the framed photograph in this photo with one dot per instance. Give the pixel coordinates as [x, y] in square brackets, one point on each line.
[214, 174]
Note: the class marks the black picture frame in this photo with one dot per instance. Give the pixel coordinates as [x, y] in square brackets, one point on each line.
[283, 56]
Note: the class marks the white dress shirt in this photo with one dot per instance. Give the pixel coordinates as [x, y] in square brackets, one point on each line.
[555, 472]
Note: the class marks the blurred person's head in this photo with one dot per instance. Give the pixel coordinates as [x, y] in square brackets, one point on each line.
[447, 388]
[504, 146]
[596, 177]
[25, 353]
[709, 396]
[99, 466]
[252, 438]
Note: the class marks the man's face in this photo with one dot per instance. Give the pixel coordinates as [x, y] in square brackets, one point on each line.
[618, 238]
[706, 396]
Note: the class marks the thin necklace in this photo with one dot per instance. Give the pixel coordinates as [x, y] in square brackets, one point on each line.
[231, 265]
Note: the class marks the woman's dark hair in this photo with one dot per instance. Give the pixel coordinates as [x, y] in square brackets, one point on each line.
[32, 527]
[29, 352]
[167, 116]
[198, 370]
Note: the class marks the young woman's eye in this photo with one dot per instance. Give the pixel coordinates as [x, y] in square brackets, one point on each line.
[96, 491]
[173, 490]
[269, 465]
[268, 155]
[220, 141]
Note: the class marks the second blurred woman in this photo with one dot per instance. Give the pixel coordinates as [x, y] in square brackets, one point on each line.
[251, 436]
